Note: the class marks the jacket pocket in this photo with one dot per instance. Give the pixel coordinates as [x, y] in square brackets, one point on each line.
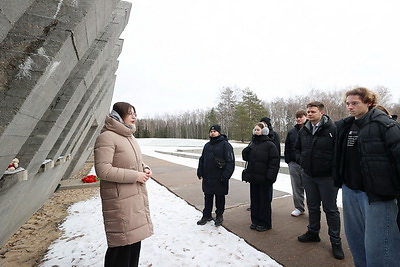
[109, 190]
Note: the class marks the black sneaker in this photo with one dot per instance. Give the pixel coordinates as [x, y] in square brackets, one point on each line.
[337, 251]
[218, 220]
[261, 228]
[253, 226]
[204, 220]
[309, 237]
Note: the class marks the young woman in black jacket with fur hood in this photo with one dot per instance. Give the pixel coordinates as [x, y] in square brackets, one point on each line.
[262, 169]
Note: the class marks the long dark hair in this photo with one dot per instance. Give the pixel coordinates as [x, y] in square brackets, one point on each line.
[122, 108]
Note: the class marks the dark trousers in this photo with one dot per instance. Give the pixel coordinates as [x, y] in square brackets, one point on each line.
[208, 204]
[125, 256]
[260, 204]
[322, 190]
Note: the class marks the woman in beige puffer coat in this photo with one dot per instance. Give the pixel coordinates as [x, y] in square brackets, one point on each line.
[123, 176]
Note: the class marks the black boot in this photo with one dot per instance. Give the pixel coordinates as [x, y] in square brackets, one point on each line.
[218, 220]
[204, 220]
[261, 228]
[337, 251]
[309, 237]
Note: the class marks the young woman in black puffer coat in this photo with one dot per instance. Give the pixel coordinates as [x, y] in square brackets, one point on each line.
[262, 169]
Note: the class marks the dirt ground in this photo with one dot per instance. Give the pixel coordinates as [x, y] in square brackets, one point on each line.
[27, 247]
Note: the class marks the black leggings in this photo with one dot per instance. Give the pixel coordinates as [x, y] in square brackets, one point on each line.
[125, 256]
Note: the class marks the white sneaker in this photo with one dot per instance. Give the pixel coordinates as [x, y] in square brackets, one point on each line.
[296, 213]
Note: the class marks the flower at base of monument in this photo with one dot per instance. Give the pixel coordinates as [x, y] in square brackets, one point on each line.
[90, 179]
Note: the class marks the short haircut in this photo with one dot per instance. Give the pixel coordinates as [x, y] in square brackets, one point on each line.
[122, 108]
[317, 104]
[366, 96]
[301, 113]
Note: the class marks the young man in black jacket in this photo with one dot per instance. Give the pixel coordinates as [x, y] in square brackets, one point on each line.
[314, 152]
[295, 170]
[367, 166]
[216, 165]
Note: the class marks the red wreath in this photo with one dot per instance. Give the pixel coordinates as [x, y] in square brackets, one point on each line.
[90, 179]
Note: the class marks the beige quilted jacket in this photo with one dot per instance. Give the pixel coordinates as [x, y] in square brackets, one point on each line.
[125, 204]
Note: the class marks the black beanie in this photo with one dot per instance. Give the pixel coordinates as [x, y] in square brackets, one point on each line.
[215, 127]
[266, 120]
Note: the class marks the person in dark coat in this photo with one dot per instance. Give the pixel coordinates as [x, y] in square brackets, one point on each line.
[272, 134]
[314, 152]
[393, 117]
[367, 166]
[216, 165]
[295, 170]
[262, 169]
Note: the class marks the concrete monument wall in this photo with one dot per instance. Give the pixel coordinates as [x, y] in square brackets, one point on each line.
[58, 60]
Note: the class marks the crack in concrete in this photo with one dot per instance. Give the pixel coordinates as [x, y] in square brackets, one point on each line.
[73, 43]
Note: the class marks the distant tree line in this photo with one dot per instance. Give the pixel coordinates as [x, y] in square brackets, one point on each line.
[239, 109]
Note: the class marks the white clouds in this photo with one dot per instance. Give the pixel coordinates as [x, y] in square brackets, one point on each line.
[178, 54]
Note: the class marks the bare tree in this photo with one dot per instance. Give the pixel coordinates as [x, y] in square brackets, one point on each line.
[385, 97]
[226, 108]
[238, 117]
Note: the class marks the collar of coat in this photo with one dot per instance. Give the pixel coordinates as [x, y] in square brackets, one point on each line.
[113, 125]
[373, 115]
[324, 121]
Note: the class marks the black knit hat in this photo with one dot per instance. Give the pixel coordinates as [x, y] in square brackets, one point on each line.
[215, 127]
[266, 120]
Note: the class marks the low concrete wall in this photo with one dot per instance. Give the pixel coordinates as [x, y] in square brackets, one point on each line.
[191, 154]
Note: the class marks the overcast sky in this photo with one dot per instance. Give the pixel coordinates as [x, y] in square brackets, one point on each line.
[179, 54]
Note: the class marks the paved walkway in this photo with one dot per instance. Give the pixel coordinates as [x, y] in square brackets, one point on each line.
[280, 243]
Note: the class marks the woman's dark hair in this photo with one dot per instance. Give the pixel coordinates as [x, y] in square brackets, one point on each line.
[260, 124]
[122, 108]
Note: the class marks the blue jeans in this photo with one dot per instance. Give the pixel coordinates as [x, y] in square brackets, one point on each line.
[371, 229]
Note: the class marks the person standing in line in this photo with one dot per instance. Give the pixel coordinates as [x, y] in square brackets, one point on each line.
[314, 152]
[262, 170]
[393, 117]
[123, 176]
[274, 137]
[272, 134]
[216, 166]
[295, 170]
[367, 166]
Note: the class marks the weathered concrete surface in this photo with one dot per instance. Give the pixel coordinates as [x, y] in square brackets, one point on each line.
[57, 72]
